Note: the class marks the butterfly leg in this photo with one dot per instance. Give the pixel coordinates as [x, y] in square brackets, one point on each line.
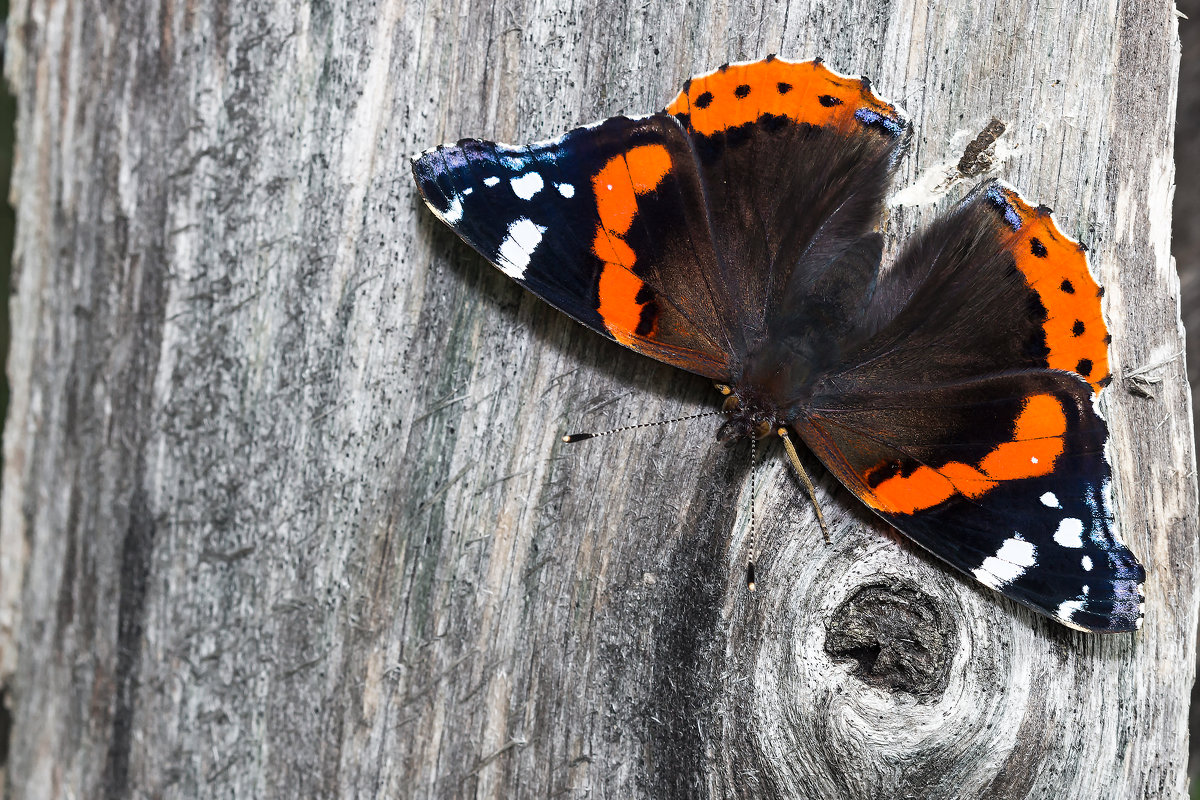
[804, 479]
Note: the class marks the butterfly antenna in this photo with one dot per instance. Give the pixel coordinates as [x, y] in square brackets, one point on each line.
[579, 437]
[751, 583]
[804, 479]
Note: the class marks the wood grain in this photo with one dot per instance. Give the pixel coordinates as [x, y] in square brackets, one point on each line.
[285, 513]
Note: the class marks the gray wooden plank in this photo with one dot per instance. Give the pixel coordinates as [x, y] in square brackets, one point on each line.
[284, 507]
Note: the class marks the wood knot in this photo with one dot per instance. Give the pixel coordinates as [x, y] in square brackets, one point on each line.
[897, 634]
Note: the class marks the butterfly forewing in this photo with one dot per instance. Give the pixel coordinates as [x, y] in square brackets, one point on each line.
[582, 222]
[1005, 478]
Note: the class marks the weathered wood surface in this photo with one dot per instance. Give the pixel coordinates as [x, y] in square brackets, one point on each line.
[1185, 242]
[284, 510]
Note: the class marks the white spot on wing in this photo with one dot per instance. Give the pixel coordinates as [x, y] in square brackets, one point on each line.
[1069, 533]
[453, 214]
[986, 578]
[1049, 499]
[565, 189]
[1014, 557]
[1033, 460]
[1087, 563]
[523, 237]
[491, 180]
[1067, 609]
[527, 185]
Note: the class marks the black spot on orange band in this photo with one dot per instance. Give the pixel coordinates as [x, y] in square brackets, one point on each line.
[804, 92]
[1074, 335]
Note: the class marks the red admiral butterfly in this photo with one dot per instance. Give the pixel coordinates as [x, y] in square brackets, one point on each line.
[733, 235]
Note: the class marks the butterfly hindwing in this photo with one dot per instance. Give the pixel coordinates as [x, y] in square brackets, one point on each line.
[795, 160]
[997, 286]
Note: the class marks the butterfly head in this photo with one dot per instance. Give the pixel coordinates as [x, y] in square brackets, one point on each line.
[748, 418]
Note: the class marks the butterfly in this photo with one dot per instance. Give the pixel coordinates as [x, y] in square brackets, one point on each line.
[734, 235]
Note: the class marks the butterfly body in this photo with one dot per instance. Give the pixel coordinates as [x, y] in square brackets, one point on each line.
[734, 235]
[754, 418]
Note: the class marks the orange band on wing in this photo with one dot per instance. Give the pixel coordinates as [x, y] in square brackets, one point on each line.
[804, 91]
[1037, 442]
[616, 187]
[1036, 445]
[618, 300]
[1055, 266]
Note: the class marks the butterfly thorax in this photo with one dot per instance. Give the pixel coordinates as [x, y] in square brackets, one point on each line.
[775, 379]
